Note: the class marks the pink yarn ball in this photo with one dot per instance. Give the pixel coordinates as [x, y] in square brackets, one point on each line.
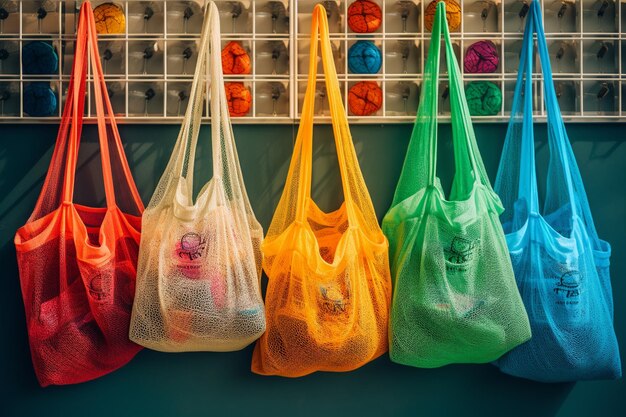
[481, 58]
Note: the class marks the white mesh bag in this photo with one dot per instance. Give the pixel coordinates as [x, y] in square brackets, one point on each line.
[200, 263]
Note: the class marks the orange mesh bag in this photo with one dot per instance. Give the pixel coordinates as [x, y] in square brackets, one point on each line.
[78, 264]
[198, 277]
[329, 289]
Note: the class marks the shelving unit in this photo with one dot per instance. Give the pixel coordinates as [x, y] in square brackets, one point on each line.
[588, 74]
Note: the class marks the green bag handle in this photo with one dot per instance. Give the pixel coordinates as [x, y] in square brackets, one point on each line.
[420, 166]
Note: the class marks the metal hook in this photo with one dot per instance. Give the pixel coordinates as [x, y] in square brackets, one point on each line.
[602, 51]
[562, 10]
[524, 10]
[604, 90]
[603, 7]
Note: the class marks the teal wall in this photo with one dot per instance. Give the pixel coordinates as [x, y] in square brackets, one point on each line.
[192, 384]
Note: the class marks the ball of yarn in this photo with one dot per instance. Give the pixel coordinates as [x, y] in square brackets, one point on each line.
[365, 98]
[484, 98]
[481, 58]
[39, 58]
[364, 16]
[453, 14]
[39, 100]
[235, 59]
[239, 99]
[364, 58]
[109, 18]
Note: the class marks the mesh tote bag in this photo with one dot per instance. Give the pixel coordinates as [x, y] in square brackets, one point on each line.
[329, 286]
[78, 264]
[200, 262]
[561, 266]
[455, 298]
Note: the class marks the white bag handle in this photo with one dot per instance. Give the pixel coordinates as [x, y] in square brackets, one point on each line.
[226, 167]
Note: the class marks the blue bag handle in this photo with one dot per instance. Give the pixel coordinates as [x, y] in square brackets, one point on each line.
[557, 134]
[528, 176]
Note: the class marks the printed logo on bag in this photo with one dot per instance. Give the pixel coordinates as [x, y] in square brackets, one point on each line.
[568, 287]
[333, 299]
[460, 253]
[192, 246]
[569, 294]
[189, 250]
[97, 287]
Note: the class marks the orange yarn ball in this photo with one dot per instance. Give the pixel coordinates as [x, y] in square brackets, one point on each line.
[235, 59]
[453, 14]
[239, 99]
[109, 18]
[364, 16]
[365, 98]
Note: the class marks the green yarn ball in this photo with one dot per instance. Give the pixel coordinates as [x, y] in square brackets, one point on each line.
[484, 98]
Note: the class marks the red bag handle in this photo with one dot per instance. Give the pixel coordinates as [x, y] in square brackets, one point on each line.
[87, 43]
[51, 195]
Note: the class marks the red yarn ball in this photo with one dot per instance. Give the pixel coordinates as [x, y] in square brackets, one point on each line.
[365, 98]
[235, 59]
[239, 99]
[364, 16]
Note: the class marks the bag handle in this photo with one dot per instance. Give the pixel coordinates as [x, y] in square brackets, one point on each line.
[108, 119]
[465, 148]
[555, 119]
[351, 176]
[87, 31]
[186, 143]
[209, 75]
[527, 187]
[72, 119]
[420, 166]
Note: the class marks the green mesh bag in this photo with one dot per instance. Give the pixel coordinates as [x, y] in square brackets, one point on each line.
[455, 298]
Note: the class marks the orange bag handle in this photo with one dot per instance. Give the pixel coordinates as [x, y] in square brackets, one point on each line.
[341, 131]
[87, 43]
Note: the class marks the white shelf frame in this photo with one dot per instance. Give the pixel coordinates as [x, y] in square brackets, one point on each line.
[295, 79]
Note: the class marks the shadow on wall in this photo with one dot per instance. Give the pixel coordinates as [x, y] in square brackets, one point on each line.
[160, 384]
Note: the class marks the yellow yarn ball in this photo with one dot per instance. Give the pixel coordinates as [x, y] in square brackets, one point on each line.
[453, 14]
[109, 18]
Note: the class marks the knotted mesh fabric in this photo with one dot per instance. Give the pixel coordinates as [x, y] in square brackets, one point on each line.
[455, 298]
[329, 288]
[78, 264]
[200, 262]
[560, 263]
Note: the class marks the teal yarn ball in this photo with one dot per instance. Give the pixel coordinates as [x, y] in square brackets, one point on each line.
[39, 58]
[39, 100]
[484, 98]
[364, 57]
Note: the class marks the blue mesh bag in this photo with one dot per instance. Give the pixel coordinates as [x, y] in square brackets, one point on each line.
[561, 266]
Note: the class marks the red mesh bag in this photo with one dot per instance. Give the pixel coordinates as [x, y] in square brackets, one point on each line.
[78, 264]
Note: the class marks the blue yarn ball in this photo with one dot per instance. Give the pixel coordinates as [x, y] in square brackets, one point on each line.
[39, 58]
[39, 100]
[364, 58]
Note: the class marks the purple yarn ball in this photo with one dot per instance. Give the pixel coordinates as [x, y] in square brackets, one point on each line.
[481, 58]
